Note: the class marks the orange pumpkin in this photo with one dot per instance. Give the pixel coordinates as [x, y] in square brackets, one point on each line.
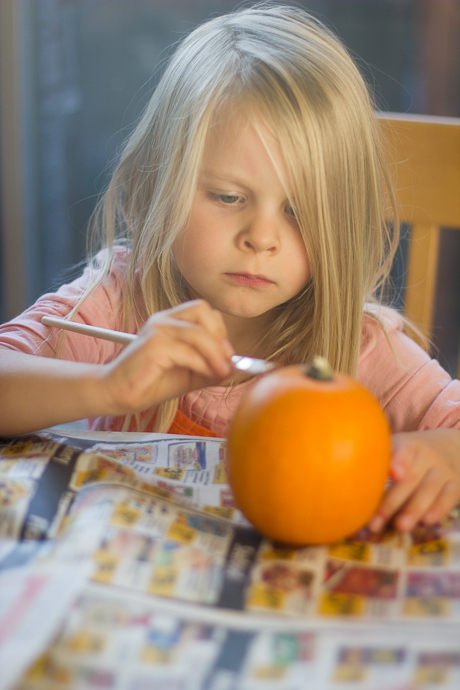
[308, 459]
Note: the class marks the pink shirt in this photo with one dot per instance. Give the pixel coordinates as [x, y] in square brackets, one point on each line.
[413, 389]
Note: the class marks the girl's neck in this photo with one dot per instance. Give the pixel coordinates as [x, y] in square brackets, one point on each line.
[246, 334]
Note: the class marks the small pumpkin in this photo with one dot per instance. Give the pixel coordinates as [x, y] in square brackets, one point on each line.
[308, 454]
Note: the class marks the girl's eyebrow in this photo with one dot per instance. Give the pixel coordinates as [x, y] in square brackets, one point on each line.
[223, 177]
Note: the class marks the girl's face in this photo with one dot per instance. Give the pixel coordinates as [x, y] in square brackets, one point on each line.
[242, 250]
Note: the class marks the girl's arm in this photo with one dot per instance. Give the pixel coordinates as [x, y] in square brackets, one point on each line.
[37, 392]
[177, 350]
[425, 467]
[422, 405]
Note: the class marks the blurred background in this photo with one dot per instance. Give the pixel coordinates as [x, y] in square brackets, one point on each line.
[75, 76]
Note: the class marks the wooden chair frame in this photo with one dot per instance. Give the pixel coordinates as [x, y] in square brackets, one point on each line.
[424, 158]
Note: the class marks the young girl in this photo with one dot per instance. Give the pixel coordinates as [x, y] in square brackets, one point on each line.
[246, 215]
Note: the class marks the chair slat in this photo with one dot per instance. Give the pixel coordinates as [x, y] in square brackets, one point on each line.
[421, 275]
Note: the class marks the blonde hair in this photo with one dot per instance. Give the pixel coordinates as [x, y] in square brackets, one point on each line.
[288, 70]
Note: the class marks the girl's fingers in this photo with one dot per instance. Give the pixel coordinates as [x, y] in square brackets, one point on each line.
[201, 312]
[402, 470]
[176, 351]
[444, 501]
[168, 369]
[200, 339]
[393, 501]
[202, 326]
[421, 500]
[192, 326]
[408, 473]
[185, 356]
[425, 487]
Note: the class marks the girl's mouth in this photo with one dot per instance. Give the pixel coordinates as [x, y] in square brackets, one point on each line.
[249, 279]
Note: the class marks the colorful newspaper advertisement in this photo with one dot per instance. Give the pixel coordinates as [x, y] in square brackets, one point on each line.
[111, 640]
[173, 572]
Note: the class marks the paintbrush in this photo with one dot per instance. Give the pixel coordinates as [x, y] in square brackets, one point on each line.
[251, 365]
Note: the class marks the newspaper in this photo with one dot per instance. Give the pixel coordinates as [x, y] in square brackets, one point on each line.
[31, 598]
[153, 520]
[122, 642]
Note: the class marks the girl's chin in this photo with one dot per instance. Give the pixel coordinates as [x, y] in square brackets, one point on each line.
[245, 312]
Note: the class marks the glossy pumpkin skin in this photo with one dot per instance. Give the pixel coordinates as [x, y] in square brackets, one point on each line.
[307, 459]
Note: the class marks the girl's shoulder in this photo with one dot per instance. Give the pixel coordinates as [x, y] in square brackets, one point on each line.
[380, 322]
[105, 278]
[106, 268]
[114, 263]
[387, 345]
[412, 388]
[101, 306]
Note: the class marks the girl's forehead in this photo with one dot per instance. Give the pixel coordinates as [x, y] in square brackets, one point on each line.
[233, 131]
[227, 129]
[238, 117]
[244, 149]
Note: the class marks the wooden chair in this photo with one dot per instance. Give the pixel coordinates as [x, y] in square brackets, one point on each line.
[424, 157]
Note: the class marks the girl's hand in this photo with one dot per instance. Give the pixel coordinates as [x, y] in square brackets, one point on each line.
[176, 351]
[425, 468]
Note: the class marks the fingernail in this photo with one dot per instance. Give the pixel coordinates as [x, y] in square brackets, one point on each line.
[398, 471]
[376, 523]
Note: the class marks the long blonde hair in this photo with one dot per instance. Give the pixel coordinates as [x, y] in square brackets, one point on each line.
[284, 67]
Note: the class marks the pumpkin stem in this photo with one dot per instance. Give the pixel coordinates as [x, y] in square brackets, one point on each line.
[319, 369]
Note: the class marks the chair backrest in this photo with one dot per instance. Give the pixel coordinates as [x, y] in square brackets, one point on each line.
[424, 157]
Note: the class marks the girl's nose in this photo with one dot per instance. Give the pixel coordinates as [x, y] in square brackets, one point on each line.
[260, 234]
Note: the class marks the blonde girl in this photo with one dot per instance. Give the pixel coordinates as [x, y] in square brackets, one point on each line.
[247, 213]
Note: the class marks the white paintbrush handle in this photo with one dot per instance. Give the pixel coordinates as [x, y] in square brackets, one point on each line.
[103, 333]
[249, 364]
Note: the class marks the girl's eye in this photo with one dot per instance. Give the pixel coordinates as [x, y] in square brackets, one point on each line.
[228, 199]
[290, 212]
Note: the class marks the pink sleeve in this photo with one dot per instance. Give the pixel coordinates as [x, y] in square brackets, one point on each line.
[103, 308]
[413, 389]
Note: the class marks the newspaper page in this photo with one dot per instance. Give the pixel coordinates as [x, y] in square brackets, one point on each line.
[119, 641]
[33, 471]
[366, 577]
[153, 519]
[31, 599]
